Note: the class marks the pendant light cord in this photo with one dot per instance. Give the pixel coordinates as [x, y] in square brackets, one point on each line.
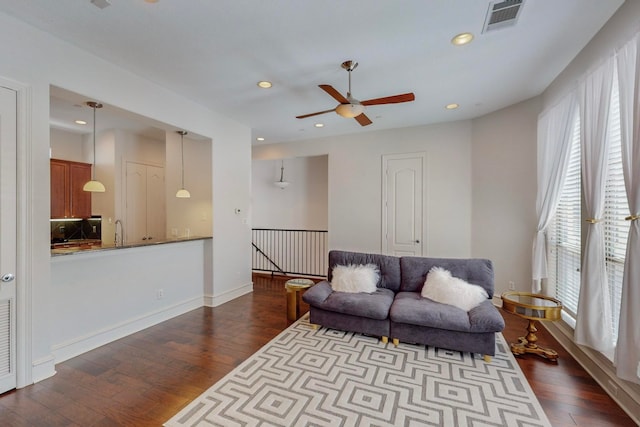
[182, 151]
[94, 143]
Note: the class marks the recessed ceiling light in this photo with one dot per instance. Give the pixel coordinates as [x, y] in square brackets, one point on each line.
[462, 38]
[259, 138]
[264, 84]
[80, 122]
[451, 106]
[319, 125]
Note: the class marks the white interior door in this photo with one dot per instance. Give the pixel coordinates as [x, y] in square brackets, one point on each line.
[403, 204]
[135, 224]
[8, 189]
[156, 217]
[145, 210]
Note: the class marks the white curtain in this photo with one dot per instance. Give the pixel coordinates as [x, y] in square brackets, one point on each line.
[627, 358]
[593, 325]
[554, 139]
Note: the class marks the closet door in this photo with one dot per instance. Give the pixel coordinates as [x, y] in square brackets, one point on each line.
[135, 225]
[8, 240]
[156, 216]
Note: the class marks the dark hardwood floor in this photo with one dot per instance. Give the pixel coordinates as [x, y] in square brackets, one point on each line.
[144, 379]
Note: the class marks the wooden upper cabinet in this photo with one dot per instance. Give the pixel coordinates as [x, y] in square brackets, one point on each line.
[59, 186]
[80, 200]
[68, 200]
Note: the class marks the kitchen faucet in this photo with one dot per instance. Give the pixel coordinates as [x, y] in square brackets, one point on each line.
[121, 233]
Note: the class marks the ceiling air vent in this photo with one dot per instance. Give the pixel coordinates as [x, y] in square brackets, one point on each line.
[502, 14]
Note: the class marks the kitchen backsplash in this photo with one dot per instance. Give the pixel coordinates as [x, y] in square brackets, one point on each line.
[76, 229]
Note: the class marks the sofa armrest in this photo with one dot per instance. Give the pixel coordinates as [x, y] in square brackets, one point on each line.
[316, 294]
[486, 318]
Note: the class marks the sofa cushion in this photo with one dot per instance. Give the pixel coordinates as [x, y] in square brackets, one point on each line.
[355, 278]
[373, 306]
[411, 308]
[440, 286]
[475, 271]
[389, 266]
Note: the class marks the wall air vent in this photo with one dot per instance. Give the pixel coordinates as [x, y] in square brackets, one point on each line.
[502, 14]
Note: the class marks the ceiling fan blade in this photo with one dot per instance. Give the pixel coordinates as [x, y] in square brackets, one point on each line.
[315, 114]
[363, 120]
[395, 99]
[334, 93]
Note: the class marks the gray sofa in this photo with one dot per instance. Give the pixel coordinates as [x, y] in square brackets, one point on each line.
[398, 310]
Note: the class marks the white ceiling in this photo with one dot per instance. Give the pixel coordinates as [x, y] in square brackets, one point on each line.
[215, 51]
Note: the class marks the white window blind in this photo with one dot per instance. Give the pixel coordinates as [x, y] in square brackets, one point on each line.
[616, 208]
[564, 233]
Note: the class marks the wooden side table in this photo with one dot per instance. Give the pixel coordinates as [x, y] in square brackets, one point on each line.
[294, 289]
[532, 307]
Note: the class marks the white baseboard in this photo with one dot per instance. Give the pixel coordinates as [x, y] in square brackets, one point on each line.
[72, 348]
[42, 369]
[216, 300]
[626, 394]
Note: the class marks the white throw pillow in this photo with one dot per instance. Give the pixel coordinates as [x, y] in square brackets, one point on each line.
[441, 287]
[355, 278]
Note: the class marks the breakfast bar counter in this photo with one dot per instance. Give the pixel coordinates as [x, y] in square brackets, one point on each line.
[92, 246]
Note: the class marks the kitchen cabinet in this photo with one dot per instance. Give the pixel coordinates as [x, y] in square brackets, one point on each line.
[68, 200]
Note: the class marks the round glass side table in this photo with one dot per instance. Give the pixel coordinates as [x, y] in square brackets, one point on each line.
[532, 307]
[294, 288]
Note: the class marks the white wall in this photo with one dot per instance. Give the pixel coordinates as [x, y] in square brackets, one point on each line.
[302, 205]
[355, 182]
[504, 189]
[188, 216]
[35, 60]
[67, 146]
[481, 186]
[617, 31]
[102, 296]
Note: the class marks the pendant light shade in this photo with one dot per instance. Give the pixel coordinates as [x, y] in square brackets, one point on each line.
[282, 184]
[182, 192]
[94, 185]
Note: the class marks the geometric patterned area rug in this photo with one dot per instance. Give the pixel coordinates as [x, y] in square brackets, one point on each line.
[324, 377]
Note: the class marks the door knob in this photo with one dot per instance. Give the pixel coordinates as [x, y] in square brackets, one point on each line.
[8, 277]
[417, 241]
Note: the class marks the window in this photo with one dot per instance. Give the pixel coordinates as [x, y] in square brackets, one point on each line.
[564, 232]
[616, 229]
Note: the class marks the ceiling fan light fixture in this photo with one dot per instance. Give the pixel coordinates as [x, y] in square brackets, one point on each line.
[349, 110]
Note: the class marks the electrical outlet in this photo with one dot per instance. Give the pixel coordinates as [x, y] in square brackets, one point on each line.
[159, 293]
[512, 285]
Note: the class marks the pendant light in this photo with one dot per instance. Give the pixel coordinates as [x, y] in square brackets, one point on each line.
[282, 184]
[94, 185]
[182, 192]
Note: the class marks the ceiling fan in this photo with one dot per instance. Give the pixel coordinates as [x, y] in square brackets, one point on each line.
[352, 108]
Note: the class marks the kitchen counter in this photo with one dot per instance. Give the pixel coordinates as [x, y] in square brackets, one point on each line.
[75, 247]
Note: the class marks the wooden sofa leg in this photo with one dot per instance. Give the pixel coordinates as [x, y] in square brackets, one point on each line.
[487, 358]
[396, 341]
[384, 339]
[315, 327]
